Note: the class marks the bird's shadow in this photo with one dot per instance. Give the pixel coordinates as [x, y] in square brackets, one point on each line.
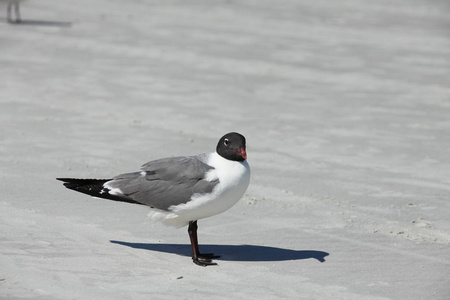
[41, 23]
[233, 252]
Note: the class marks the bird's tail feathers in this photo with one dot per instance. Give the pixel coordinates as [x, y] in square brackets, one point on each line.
[94, 188]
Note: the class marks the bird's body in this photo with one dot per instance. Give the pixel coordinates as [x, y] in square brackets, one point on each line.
[180, 190]
[229, 181]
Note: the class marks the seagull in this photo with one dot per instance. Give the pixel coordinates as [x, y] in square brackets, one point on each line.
[181, 190]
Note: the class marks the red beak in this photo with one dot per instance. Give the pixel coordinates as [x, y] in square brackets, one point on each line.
[242, 153]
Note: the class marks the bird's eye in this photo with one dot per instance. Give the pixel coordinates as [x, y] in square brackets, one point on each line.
[225, 142]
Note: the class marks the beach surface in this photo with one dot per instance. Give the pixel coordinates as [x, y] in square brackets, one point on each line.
[345, 106]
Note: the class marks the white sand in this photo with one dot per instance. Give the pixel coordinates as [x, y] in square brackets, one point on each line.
[345, 106]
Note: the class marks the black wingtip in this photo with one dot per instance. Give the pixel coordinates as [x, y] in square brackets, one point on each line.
[74, 180]
[94, 188]
[87, 186]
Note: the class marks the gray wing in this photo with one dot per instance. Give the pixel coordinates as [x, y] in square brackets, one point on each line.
[165, 182]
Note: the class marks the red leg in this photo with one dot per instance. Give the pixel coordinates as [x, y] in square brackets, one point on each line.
[201, 260]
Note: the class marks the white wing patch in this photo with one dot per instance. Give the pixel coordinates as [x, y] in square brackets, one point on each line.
[113, 191]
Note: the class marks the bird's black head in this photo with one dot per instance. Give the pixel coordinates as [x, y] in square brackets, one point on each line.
[232, 147]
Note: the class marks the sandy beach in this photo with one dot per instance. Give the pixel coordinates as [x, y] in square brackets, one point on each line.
[345, 106]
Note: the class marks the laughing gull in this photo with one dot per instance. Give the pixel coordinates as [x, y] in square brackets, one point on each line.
[181, 190]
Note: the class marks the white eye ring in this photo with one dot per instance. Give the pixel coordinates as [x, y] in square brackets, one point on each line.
[225, 142]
